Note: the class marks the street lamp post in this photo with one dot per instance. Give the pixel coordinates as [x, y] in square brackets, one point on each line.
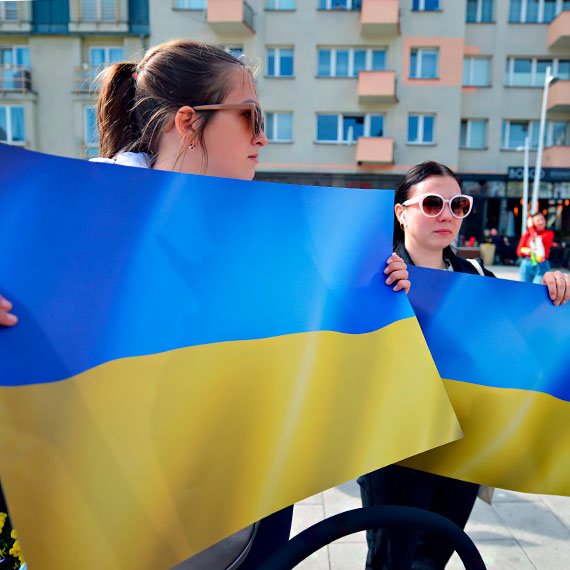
[525, 185]
[548, 80]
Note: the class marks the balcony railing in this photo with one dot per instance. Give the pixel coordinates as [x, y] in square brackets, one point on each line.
[15, 13]
[231, 16]
[559, 97]
[374, 150]
[559, 31]
[380, 18]
[377, 87]
[15, 78]
[96, 11]
[84, 78]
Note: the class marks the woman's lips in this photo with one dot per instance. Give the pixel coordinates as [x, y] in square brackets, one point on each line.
[254, 157]
[442, 232]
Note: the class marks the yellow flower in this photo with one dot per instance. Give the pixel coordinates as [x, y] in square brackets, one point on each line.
[13, 533]
[15, 550]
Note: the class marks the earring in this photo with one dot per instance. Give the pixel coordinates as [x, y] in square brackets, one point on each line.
[192, 145]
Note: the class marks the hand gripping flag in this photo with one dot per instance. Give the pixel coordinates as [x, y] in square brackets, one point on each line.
[503, 349]
[193, 354]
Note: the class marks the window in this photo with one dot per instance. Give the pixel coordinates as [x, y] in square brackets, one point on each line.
[425, 5]
[556, 133]
[91, 135]
[347, 128]
[421, 129]
[15, 68]
[476, 71]
[190, 4]
[479, 11]
[236, 51]
[338, 62]
[532, 72]
[280, 62]
[280, 4]
[339, 4]
[424, 63]
[97, 10]
[12, 127]
[473, 134]
[102, 56]
[536, 11]
[279, 127]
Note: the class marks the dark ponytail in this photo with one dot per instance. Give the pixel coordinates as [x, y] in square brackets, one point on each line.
[137, 101]
[117, 126]
[414, 176]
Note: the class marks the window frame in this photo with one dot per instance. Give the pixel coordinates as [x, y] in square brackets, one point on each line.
[340, 120]
[421, 6]
[509, 73]
[9, 134]
[470, 59]
[277, 60]
[273, 116]
[533, 124]
[479, 13]
[469, 124]
[540, 16]
[175, 7]
[278, 9]
[351, 3]
[419, 62]
[351, 57]
[421, 118]
[107, 60]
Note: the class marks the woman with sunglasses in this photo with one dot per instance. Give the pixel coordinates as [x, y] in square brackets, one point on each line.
[193, 108]
[428, 214]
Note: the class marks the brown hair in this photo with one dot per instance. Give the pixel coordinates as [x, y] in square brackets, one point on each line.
[414, 176]
[136, 100]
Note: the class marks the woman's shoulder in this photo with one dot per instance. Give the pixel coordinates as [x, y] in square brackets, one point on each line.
[136, 159]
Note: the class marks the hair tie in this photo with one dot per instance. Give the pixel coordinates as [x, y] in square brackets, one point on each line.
[135, 76]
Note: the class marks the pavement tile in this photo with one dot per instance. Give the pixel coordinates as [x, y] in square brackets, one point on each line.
[484, 524]
[344, 498]
[347, 556]
[317, 561]
[500, 555]
[544, 538]
[560, 506]
[314, 500]
[502, 496]
[305, 516]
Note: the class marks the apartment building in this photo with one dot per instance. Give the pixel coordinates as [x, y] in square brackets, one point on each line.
[355, 91]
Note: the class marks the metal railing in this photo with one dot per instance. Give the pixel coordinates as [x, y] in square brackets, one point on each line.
[96, 11]
[15, 12]
[84, 78]
[15, 78]
[248, 16]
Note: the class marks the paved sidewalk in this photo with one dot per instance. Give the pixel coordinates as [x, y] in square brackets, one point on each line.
[518, 532]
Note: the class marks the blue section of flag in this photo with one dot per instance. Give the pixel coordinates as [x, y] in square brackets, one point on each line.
[493, 332]
[105, 262]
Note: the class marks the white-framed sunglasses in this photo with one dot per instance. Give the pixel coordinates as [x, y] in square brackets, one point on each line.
[432, 205]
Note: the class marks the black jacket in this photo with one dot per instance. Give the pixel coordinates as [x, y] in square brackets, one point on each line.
[459, 264]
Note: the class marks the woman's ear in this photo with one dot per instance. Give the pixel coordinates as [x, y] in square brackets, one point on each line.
[399, 210]
[184, 122]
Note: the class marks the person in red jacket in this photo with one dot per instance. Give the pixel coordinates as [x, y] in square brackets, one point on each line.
[534, 248]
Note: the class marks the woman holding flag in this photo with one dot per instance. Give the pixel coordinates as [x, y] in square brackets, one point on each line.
[193, 108]
[428, 214]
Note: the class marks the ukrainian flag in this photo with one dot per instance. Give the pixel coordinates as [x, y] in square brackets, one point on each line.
[193, 354]
[504, 351]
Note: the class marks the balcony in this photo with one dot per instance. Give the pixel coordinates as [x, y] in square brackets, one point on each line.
[556, 157]
[374, 150]
[559, 97]
[234, 17]
[99, 16]
[380, 17]
[377, 87]
[559, 31]
[15, 16]
[15, 79]
[84, 78]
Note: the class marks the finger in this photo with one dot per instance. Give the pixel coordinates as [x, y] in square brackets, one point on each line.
[395, 266]
[394, 257]
[549, 280]
[402, 285]
[560, 281]
[396, 276]
[566, 296]
[7, 319]
[5, 305]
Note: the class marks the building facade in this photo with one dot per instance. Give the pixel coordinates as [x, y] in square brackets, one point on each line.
[355, 91]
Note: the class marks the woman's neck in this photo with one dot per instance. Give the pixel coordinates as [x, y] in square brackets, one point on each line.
[423, 257]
